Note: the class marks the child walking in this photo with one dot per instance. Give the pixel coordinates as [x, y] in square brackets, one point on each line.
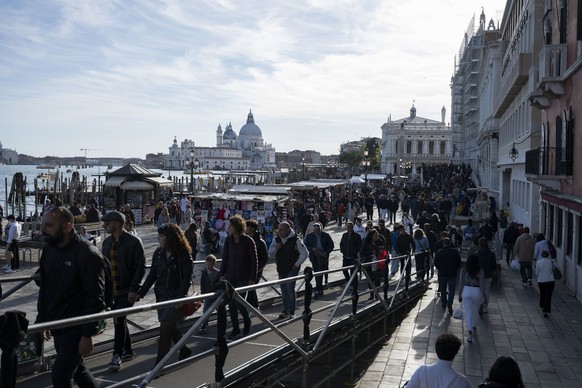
[208, 280]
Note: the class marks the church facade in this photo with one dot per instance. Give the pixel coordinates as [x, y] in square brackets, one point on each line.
[412, 141]
[244, 151]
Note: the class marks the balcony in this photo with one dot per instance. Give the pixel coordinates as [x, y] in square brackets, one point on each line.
[513, 80]
[552, 66]
[548, 165]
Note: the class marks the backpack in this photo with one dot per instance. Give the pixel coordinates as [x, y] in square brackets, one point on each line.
[552, 250]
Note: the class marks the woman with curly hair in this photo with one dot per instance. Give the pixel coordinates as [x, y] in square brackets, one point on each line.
[472, 293]
[171, 276]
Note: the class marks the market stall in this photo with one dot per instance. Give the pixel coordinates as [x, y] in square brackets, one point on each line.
[136, 186]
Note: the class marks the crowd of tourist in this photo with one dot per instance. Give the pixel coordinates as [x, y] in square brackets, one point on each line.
[415, 225]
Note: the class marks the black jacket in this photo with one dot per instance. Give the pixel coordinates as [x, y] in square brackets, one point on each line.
[72, 283]
[447, 261]
[131, 259]
[487, 261]
[262, 252]
[350, 245]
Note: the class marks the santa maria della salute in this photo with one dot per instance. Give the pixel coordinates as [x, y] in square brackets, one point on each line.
[246, 151]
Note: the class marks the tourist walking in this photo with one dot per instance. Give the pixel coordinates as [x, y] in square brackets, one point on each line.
[440, 374]
[12, 236]
[405, 245]
[72, 279]
[488, 263]
[252, 227]
[126, 254]
[448, 262]
[509, 238]
[289, 253]
[471, 293]
[209, 279]
[504, 373]
[524, 251]
[540, 246]
[171, 273]
[422, 254]
[239, 268]
[350, 246]
[320, 245]
[546, 281]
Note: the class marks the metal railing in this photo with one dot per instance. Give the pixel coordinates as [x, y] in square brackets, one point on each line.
[226, 293]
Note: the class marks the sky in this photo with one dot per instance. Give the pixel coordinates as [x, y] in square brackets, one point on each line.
[122, 78]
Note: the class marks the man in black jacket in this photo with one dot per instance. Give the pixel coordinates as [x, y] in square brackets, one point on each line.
[320, 245]
[72, 283]
[448, 262]
[126, 254]
[252, 227]
[350, 245]
[488, 262]
[509, 238]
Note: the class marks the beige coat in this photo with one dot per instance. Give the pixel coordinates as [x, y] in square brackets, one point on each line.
[524, 247]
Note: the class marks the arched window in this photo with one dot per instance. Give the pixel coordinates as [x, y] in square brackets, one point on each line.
[408, 147]
[431, 147]
[443, 147]
[419, 147]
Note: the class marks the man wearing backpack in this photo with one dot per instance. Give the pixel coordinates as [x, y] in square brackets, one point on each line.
[126, 254]
[72, 284]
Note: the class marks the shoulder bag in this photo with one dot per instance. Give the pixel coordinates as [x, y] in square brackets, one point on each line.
[188, 308]
[556, 271]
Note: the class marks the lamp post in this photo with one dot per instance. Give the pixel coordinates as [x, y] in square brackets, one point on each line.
[303, 168]
[366, 164]
[191, 170]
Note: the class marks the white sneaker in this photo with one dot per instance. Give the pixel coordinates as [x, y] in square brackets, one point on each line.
[7, 266]
[10, 270]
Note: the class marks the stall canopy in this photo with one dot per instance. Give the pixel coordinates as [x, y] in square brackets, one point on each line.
[242, 197]
[135, 177]
[136, 185]
[115, 181]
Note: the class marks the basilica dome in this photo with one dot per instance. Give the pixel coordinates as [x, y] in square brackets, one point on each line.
[250, 129]
[229, 134]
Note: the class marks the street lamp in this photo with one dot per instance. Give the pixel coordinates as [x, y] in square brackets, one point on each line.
[366, 164]
[193, 164]
[303, 164]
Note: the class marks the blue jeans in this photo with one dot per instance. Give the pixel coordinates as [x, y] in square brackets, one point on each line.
[288, 291]
[451, 283]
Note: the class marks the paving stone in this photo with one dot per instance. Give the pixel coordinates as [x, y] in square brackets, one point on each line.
[548, 351]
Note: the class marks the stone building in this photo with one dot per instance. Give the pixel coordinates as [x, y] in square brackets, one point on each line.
[8, 156]
[409, 142]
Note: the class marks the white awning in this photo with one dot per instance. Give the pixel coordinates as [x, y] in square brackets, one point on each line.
[136, 185]
[159, 181]
[114, 181]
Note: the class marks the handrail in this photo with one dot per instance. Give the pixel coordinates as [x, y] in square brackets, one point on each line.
[219, 295]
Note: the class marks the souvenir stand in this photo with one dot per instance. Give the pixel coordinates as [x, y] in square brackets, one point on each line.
[217, 208]
[318, 192]
[137, 186]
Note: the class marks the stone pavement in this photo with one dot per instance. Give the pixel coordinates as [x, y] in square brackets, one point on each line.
[547, 349]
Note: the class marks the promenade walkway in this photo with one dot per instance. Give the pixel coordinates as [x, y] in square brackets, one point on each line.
[548, 350]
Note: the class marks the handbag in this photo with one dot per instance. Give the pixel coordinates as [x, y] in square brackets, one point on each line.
[556, 271]
[458, 313]
[515, 264]
[189, 308]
